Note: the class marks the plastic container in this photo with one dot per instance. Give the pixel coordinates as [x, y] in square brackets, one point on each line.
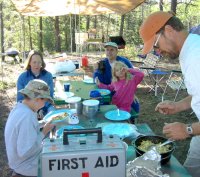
[84, 61]
[90, 108]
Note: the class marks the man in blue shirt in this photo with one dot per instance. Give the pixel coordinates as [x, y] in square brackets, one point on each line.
[104, 71]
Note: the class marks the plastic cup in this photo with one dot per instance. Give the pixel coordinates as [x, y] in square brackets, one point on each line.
[66, 87]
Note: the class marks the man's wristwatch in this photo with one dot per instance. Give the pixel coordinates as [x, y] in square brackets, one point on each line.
[189, 129]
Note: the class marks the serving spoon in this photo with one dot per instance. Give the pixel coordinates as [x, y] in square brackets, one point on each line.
[160, 145]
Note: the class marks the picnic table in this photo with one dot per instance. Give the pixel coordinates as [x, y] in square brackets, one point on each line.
[173, 168]
[81, 89]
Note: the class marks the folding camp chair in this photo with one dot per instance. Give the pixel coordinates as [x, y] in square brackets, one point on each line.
[176, 82]
[154, 75]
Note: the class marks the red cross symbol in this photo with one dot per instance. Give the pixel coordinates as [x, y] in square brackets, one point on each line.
[85, 174]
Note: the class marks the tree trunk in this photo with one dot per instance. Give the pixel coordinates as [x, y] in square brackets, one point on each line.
[173, 6]
[2, 31]
[66, 32]
[40, 35]
[107, 31]
[30, 37]
[87, 22]
[57, 31]
[161, 5]
[73, 26]
[122, 25]
[95, 24]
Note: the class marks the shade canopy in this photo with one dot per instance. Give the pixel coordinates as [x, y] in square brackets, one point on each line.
[82, 7]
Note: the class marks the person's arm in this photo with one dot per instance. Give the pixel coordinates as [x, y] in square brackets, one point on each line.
[170, 107]
[20, 85]
[137, 74]
[29, 141]
[50, 83]
[104, 86]
[29, 138]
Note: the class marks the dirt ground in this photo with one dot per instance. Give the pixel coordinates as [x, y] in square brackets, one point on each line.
[9, 73]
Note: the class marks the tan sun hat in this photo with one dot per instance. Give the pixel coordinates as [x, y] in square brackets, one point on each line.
[37, 89]
[150, 27]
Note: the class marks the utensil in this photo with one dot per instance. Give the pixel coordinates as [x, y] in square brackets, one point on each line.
[160, 145]
[118, 114]
[52, 134]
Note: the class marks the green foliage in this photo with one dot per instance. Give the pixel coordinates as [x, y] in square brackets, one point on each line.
[3, 85]
[17, 34]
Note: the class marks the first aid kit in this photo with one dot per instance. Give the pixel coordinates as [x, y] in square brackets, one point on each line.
[83, 153]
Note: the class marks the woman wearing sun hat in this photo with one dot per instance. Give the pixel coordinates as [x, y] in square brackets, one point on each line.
[23, 137]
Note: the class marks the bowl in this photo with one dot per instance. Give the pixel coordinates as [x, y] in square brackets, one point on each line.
[165, 157]
[90, 108]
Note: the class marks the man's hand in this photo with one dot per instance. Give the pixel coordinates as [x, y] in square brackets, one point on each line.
[167, 107]
[175, 131]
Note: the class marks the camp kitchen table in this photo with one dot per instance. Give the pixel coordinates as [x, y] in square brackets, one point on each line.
[173, 168]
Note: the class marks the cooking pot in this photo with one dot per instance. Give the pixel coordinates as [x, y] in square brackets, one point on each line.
[75, 103]
[90, 108]
[165, 157]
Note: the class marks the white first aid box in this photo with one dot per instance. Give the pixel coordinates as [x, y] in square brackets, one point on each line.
[89, 155]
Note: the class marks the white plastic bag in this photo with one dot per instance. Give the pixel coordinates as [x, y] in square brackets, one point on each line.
[64, 66]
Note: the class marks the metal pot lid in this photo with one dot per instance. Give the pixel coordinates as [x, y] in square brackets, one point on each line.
[91, 102]
[74, 99]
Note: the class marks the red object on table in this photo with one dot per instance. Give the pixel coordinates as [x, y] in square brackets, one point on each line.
[85, 174]
[85, 61]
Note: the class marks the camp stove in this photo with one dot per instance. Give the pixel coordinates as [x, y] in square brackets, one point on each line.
[89, 155]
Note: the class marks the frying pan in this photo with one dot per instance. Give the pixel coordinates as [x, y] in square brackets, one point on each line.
[165, 157]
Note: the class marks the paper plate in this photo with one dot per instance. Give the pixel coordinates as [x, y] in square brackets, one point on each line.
[88, 81]
[63, 95]
[103, 92]
[64, 113]
[120, 129]
[59, 132]
[113, 115]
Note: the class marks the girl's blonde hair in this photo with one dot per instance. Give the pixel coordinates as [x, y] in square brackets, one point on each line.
[31, 53]
[118, 66]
